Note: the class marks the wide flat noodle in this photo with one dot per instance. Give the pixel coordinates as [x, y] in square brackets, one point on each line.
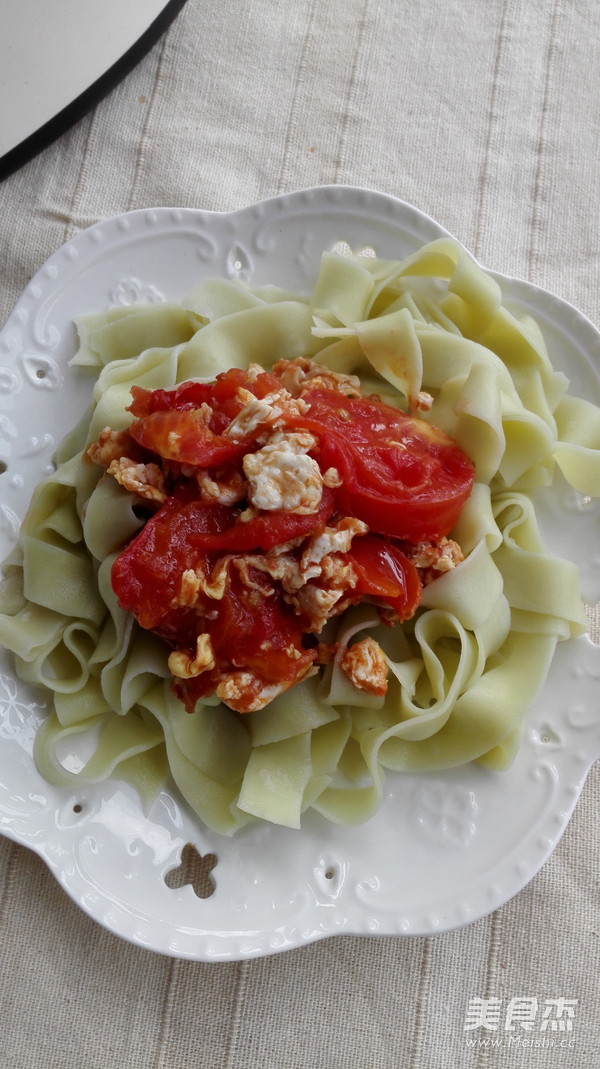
[463, 672]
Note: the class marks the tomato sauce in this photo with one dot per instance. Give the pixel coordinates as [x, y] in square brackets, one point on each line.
[212, 564]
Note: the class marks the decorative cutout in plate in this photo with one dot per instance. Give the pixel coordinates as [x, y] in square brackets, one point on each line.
[446, 848]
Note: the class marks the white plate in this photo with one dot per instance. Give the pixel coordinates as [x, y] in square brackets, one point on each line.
[445, 849]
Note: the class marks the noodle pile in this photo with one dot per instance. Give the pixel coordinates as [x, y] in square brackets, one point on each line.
[463, 671]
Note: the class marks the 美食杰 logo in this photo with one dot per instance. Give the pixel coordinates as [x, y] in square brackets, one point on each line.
[523, 1021]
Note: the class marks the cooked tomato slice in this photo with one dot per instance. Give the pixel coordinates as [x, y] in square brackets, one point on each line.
[185, 437]
[146, 576]
[167, 425]
[225, 399]
[249, 633]
[264, 384]
[228, 383]
[385, 572]
[402, 476]
[187, 395]
[185, 532]
[258, 633]
[266, 529]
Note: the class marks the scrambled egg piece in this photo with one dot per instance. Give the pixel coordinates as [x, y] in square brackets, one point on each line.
[245, 693]
[315, 581]
[336, 539]
[225, 490]
[423, 401]
[194, 581]
[434, 559]
[111, 445]
[281, 475]
[183, 666]
[332, 478]
[316, 604]
[366, 667]
[263, 412]
[145, 480]
[302, 374]
[282, 568]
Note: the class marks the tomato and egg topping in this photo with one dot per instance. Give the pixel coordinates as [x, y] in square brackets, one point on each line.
[272, 502]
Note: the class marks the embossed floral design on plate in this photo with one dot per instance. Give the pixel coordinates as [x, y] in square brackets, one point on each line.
[446, 848]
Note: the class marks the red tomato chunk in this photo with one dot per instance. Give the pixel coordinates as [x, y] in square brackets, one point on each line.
[404, 477]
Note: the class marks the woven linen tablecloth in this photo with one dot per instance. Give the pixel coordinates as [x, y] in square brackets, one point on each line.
[486, 115]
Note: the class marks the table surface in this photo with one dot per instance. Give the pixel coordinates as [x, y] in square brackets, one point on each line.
[485, 115]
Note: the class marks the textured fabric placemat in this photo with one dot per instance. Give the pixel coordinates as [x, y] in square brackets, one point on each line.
[485, 114]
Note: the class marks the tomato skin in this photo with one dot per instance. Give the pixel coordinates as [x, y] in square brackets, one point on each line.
[403, 477]
[385, 572]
